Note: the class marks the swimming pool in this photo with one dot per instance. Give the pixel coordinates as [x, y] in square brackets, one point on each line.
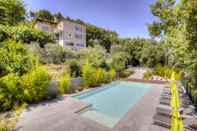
[112, 101]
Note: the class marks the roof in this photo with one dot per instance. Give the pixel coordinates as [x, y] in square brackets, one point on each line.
[53, 22]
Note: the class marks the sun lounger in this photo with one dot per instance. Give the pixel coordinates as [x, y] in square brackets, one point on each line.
[164, 121]
[166, 110]
[168, 90]
[167, 102]
[183, 100]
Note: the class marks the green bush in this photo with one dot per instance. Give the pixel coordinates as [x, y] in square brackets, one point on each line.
[87, 74]
[64, 83]
[15, 58]
[30, 87]
[126, 73]
[75, 67]
[35, 84]
[55, 54]
[99, 76]
[92, 76]
[166, 72]
[10, 92]
[148, 75]
[117, 61]
[111, 75]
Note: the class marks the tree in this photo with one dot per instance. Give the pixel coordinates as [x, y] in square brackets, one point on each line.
[96, 35]
[11, 12]
[59, 17]
[15, 58]
[43, 14]
[178, 24]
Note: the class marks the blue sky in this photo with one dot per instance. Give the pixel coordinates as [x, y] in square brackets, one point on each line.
[127, 17]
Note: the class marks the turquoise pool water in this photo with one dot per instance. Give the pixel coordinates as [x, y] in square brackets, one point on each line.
[112, 101]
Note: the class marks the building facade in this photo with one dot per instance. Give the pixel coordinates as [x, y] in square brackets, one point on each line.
[67, 33]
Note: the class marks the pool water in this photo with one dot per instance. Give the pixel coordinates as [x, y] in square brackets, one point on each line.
[112, 101]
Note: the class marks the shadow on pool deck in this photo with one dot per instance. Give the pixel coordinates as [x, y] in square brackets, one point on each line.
[59, 115]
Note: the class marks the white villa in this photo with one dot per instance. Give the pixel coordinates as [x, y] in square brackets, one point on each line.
[68, 33]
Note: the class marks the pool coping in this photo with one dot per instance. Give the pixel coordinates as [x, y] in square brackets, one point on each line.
[147, 81]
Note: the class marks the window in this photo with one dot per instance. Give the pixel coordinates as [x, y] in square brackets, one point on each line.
[77, 28]
[70, 44]
[80, 45]
[45, 28]
[78, 36]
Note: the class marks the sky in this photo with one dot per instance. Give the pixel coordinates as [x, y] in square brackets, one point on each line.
[129, 18]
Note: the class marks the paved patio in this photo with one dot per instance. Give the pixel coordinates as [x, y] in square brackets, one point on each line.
[60, 115]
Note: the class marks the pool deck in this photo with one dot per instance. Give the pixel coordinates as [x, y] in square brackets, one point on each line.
[59, 115]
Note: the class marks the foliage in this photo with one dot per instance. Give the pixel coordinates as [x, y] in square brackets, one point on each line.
[26, 34]
[95, 55]
[87, 74]
[92, 76]
[42, 14]
[126, 73]
[11, 12]
[100, 76]
[152, 54]
[54, 53]
[103, 37]
[64, 83]
[75, 67]
[165, 72]
[14, 58]
[140, 52]
[10, 92]
[111, 75]
[35, 84]
[148, 75]
[177, 24]
[117, 61]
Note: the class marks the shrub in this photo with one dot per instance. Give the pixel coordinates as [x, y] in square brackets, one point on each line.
[87, 74]
[64, 83]
[35, 84]
[92, 76]
[25, 33]
[126, 73]
[148, 75]
[99, 76]
[117, 61]
[111, 75]
[75, 67]
[10, 92]
[96, 56]
[14, 58]
[166, 72]
[54, 53]
[3, 34]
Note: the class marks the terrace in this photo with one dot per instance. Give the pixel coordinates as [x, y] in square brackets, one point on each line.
[60, 114]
